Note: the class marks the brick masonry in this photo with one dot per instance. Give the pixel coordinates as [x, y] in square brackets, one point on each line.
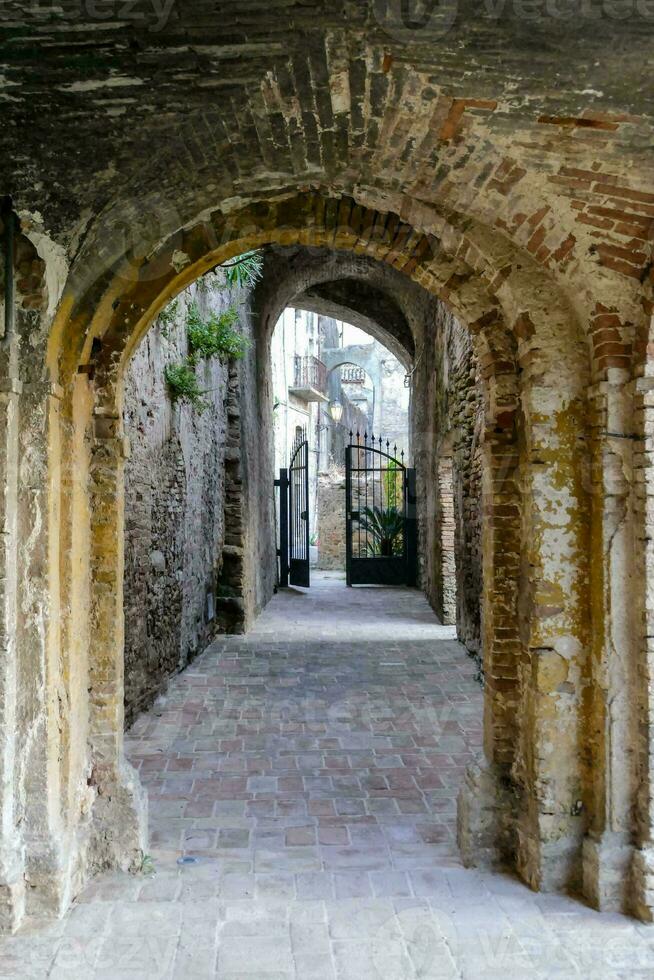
[138, 155]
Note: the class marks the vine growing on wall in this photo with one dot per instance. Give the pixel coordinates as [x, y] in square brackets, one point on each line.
[211, 335]
[167, 317]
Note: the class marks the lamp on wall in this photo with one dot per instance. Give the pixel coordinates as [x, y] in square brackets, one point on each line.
[336, 411]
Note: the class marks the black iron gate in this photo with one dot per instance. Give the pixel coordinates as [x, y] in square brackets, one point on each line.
[293, 486]
[380, 529]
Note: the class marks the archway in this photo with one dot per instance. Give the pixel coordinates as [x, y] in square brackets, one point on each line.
[117, 321]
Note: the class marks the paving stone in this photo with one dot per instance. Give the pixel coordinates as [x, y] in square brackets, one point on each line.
[294, 884]
[233, 837]
[300, 836]
[267, 956]
[390, 884]
[333, 835]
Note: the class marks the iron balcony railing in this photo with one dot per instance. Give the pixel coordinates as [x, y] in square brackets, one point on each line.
[352, 375]
[310, 372]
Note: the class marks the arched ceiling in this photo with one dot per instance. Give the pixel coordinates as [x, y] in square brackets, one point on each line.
[363, 306]
[530, 122]
[349, 287]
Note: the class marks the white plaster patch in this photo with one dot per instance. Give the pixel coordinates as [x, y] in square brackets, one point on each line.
[568, 647]
[92, 85]
[52, 253]
[179, 260]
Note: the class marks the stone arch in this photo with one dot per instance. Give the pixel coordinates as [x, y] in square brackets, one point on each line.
[329, 282]
[357, 358]
[534, 427]
[516, 190]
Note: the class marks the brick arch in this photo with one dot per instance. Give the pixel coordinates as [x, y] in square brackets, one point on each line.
[515, 195]
[436, 254]
[536, 611]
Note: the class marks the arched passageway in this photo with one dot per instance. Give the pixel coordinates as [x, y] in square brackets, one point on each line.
[528, 220]
[508, 449]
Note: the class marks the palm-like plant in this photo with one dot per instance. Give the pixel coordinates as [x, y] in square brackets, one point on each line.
[245, 271]
[384, 527]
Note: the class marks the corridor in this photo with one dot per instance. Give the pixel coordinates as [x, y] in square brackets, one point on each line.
[306, 776]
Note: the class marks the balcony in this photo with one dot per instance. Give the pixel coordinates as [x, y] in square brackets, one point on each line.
[310, 382]
[352, 375]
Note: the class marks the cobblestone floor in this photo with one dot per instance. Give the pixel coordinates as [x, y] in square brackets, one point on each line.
[310, 771]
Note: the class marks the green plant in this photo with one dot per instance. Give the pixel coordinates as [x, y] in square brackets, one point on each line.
[183, 385]
[384, 529]
[245, 270]
[214, 336]
[168, 314]
[393, 483]
[146, 866]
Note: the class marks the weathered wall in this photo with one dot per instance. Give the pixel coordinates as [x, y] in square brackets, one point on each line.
[174, 507]
[331, 519]
[193, 498]
[451, 413]
[249, 562]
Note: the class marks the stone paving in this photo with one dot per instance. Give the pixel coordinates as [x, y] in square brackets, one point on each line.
[308, 772]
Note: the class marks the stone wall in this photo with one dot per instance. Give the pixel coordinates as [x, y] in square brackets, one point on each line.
[448, 537]
[448, 462]
[331, 520]
[183, 505]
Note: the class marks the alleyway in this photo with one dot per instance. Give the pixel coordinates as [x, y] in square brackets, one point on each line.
[310, 770]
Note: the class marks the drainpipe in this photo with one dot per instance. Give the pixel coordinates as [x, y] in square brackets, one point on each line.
[9, 223]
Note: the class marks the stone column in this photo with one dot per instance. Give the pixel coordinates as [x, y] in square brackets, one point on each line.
[119, 816]
[554, 622]
[642, 882]
[612, 729]
[44, 700]
[12, 853]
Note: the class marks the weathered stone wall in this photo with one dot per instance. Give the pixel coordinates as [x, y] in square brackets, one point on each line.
[449, 463]
[174, 507]
[331, 519]
[465, 420]
[187, 487]
[447, 516]
[394, 398]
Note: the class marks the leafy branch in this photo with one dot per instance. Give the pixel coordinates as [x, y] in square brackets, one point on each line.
[183, 386]
[214, 336]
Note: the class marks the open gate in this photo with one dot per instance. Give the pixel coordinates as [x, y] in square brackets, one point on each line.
[380, 529]
[293, 550]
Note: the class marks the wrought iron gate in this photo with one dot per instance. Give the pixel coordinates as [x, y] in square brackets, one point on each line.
[380, 529]
[293, 550]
